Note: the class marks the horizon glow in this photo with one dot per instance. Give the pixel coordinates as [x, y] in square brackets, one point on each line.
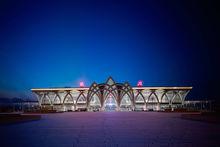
[44, 44]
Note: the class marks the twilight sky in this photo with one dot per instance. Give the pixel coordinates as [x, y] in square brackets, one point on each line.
[59, 43]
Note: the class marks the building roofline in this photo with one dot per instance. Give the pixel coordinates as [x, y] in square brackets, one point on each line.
[60, 89]
[87, 88]
[164, 88]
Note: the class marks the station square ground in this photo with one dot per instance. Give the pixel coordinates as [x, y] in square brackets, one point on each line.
[111, 129]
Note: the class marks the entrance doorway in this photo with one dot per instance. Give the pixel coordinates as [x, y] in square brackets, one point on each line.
[110, 103]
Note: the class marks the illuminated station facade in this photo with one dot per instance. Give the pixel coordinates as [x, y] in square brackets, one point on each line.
[112, 96]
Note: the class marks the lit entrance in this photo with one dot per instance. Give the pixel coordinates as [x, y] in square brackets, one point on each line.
[126, 104]
[110, 103]
[95, 104]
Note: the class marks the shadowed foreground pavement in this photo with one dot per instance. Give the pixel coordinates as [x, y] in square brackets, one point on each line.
[100, 129]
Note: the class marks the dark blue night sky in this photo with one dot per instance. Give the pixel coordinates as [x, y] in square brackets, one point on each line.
[59, 43]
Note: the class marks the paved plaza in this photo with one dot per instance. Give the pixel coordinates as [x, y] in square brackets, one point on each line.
[110, 129]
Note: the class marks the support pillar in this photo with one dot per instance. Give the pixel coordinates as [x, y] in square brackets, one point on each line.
[158, 106]
[118, 107]
[63, 107]
[74, 105]
[145, 107]
[102, 108]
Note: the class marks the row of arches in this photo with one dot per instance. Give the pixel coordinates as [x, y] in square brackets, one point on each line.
[111, 96]
[160, 96]
[64, 97]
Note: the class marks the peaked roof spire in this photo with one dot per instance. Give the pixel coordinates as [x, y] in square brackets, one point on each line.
[110, 81]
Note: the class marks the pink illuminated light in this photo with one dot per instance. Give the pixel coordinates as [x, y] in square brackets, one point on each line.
[140, 83]
[81, 84]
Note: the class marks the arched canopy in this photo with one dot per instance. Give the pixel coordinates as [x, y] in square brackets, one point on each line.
[93, 90]
[95, 101]
[111, 91]
[119, 94]
[127, 91]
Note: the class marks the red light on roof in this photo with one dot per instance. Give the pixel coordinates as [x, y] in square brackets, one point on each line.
[81, 84]
[140, 83]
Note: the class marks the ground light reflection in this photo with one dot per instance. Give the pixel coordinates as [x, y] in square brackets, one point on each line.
[111, 129]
